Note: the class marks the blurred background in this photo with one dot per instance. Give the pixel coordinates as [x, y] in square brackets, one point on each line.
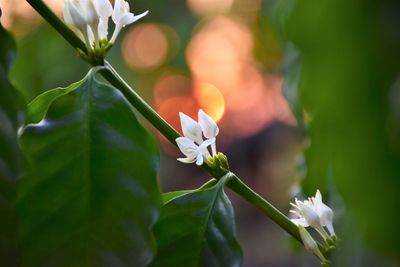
[306, 96]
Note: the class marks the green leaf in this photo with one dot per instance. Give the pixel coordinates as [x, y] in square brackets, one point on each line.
[198, 229]
[38, 108]
[167, 197]
[91, 196]
[11, 116]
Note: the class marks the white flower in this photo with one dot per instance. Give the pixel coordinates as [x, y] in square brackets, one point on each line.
[104, 10]
[313, 212]
[310, 244]
[192, 144]
[90, 19]
[82, 15]
[122, 17]
[209, 128]
[190, 128]
[193, 152]
[324, 212]
[74, 16]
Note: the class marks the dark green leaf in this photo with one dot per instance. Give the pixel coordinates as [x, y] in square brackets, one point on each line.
[92, 195]
[38, 108]
[11, 116]
[166, 197]
[198, 229]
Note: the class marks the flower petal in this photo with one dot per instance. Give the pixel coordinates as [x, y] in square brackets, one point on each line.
[310, 215]
[89, 12]
[67, 13]
[103, 8]
[208, 142]
[131, 19]
[199, 159]
[203, 147]
[103, 28]
[318, 197]
[208, 125]
[187, 160]
[118, 10]
[191, 128]
[126, 19]
[329, 225]
[300, 221]
[187, 147]
[325, 214]
[74, 14]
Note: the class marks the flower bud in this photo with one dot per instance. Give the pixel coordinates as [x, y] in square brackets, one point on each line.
[310, 244]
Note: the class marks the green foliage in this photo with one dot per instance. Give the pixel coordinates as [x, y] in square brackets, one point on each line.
[167, 197]
[11, 117]
[349, 67]
[91, 194]
[45, 61]
[38, 108]
[197, 228]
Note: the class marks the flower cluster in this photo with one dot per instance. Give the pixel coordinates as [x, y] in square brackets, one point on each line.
[192, 145]
[89, 18]
[313, 212]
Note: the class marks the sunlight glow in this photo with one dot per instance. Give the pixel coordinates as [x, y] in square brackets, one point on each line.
[21, 17]
[209, 7]
[210, 100]
[147, 46]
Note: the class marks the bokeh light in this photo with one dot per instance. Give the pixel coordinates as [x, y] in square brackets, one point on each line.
[169, 110]
[18, 14]
[210, 100]
[147, 46]
[171, 84]
[220, 53]
[173, 94]
[209, 7]
[217, 50]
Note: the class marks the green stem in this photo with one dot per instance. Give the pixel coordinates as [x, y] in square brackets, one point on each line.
[171, 134]
[150, 114]
[166, 129]
[267, 208]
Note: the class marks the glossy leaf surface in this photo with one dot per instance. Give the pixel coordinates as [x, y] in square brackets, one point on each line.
[91, 194]
[11, 115]
[198, 229]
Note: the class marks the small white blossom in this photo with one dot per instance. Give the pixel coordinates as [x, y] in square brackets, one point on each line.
[190, 128]
[325, 213]
[122, 17]
[104, 10]
[81, 15]
[193, 152]
[313, 212]
[90, 19]
[192, 145]
[209, 128]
